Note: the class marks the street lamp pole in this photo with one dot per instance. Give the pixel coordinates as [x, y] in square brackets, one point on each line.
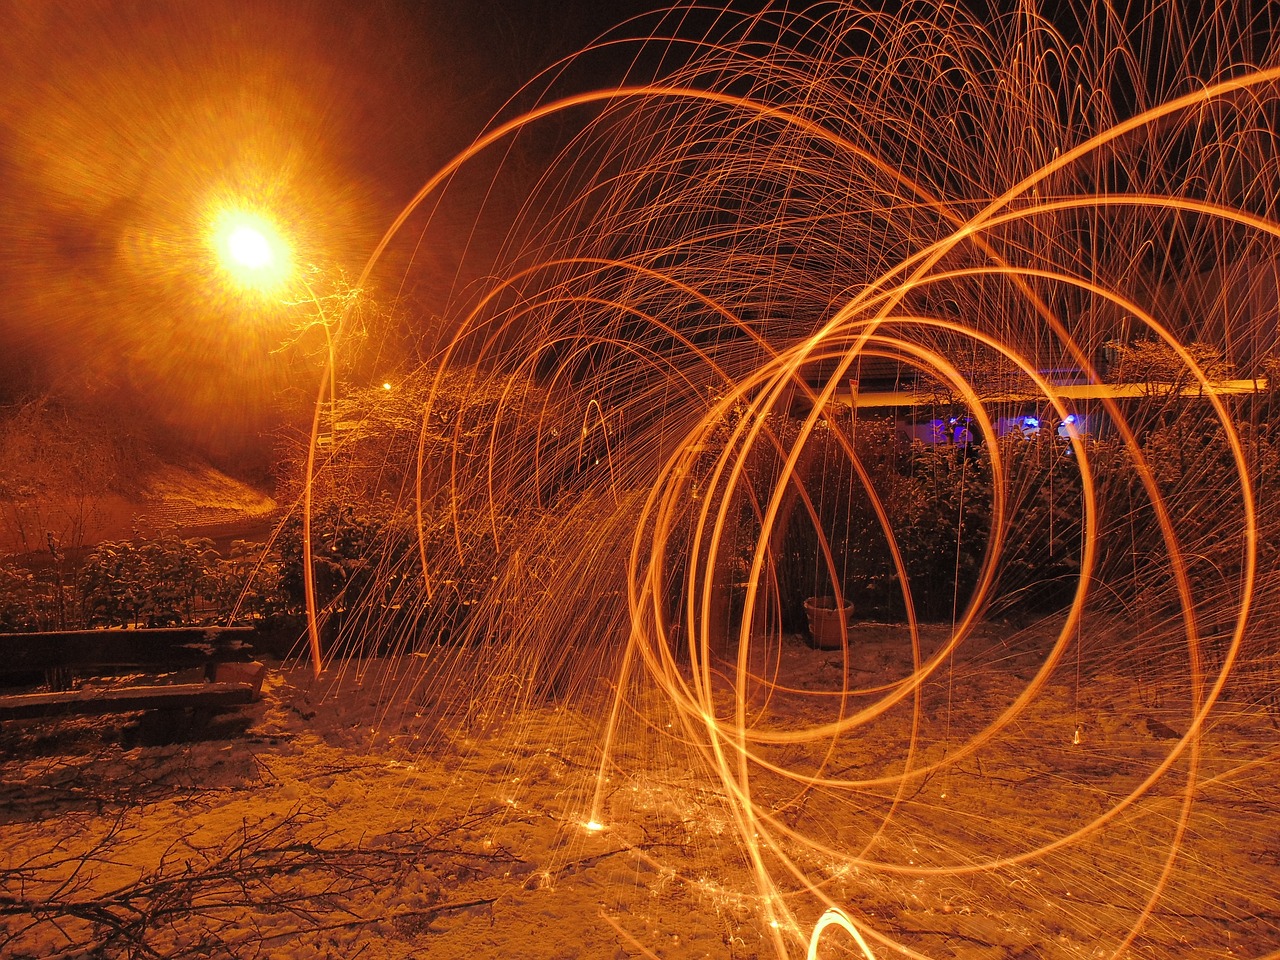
[254, 254]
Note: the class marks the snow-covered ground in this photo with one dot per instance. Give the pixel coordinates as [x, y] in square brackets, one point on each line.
[340, 818]
[193, 497]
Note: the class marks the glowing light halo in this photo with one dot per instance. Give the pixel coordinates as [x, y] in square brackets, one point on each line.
[714, 708]
[248, 248]
[251, 251]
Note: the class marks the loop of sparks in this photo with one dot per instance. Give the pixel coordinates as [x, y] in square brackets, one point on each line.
[682, 300]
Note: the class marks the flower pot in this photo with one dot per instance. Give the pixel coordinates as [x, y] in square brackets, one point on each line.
[828, 624]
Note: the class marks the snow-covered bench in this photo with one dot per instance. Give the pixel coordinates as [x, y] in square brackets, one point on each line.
[117, 671]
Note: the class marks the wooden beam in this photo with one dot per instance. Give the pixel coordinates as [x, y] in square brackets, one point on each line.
[1071, 391]
[169, 647]
[91, 701]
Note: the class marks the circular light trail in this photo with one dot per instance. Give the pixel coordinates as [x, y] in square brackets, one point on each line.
[665, 395]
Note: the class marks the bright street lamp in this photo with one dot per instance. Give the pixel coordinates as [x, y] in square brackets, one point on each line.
[252, 251]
